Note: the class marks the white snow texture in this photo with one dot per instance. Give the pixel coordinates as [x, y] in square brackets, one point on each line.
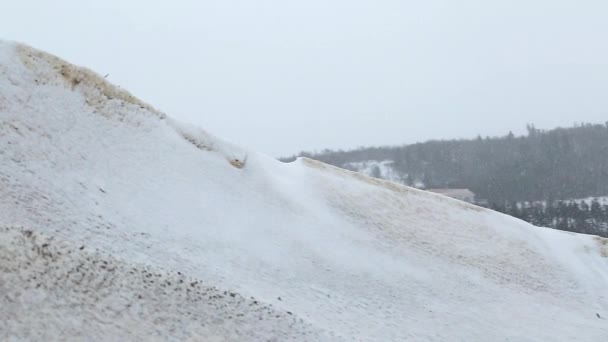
[118, 223]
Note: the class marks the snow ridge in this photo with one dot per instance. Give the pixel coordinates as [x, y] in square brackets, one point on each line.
[114, 102]
[326, 253]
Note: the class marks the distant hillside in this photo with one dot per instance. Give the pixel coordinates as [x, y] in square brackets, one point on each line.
[562, 163]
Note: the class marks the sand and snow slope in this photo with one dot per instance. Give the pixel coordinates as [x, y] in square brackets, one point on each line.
[91, 176]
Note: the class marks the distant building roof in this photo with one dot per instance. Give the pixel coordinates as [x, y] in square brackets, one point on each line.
[460, 194]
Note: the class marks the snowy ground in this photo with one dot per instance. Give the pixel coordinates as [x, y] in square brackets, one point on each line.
[377, 169]
[100, 194]
[383, 169]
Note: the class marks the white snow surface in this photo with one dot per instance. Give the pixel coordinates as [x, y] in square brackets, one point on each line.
[118, 223]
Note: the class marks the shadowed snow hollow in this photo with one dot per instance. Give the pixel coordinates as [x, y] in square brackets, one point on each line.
[117, 222]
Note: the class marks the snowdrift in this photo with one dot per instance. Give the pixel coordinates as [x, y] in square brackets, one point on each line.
[119, 223]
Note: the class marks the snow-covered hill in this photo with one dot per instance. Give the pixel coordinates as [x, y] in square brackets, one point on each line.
[117, 223]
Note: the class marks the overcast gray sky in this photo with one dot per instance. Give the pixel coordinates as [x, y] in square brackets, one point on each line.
[282, 76]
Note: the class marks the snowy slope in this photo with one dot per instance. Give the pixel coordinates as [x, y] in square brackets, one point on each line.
[90, 177]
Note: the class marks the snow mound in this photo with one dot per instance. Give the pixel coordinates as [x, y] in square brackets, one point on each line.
[278, 251]
[111, 101]
[66, 292]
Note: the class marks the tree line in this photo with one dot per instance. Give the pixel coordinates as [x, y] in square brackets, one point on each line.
[588, 217]
[541, 165]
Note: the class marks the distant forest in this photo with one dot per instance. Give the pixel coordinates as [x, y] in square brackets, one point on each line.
[588, 217]
[543, 165]
[555, 164]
